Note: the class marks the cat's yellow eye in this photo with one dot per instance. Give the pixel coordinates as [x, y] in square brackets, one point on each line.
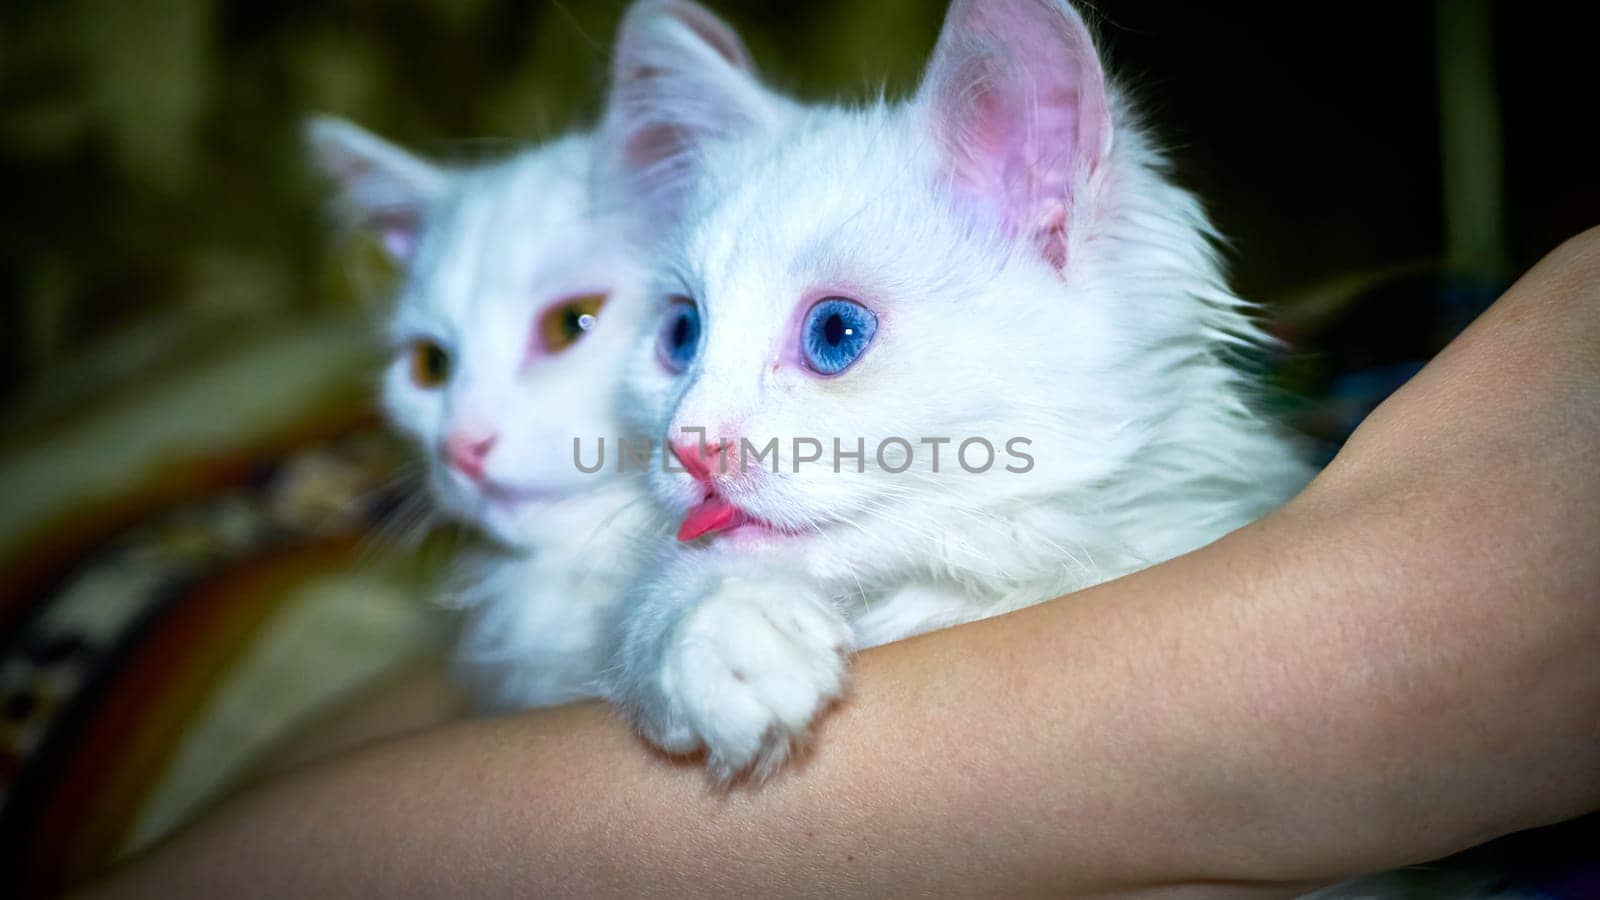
[563, 324]
[430, 363]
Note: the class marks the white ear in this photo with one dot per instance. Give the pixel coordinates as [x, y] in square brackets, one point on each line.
[380, 186]
[681, 82]
[1016, 98]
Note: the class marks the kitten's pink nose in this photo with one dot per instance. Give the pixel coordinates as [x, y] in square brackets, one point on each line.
[468, 452]
[698, 459]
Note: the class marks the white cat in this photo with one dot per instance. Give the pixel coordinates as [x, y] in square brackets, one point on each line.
[994, 275]
[517, 308]
[524, 293]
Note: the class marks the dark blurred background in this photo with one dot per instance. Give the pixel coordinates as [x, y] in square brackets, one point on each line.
[197, 503]
[154, 193]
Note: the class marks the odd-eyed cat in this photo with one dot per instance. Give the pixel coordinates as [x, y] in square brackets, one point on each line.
[1001, 257]
[510, 323]
[523, 292]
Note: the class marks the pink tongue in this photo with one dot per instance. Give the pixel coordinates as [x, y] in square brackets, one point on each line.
[712, 514]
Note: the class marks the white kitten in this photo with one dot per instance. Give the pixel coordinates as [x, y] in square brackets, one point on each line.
[518, 306]
[999, 259]
[524, 296]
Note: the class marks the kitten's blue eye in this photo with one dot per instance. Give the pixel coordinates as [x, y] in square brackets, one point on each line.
[680, 335]
[836, 332]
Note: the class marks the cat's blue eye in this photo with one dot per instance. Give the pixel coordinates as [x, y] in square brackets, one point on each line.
[680, 335]
[835, 333]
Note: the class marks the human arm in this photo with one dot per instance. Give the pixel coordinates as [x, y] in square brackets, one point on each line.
[1398, 664]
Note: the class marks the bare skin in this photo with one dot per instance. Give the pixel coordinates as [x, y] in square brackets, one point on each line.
[418, 697]
[1397, 665]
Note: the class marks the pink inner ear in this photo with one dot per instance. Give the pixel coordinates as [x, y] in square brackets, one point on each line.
[717, 35]
[400, 245]
[396, 224]
[681, 81]
[397, 231]
[653, 145]
[1018, 100]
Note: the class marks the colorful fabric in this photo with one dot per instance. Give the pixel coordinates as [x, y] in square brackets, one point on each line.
[192, 567]
[128, 630]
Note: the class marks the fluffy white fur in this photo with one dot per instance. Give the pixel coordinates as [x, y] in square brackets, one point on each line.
[1035, 274]
[486, 250]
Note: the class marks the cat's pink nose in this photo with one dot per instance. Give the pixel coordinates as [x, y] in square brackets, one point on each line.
[699, 459]
[468, 453]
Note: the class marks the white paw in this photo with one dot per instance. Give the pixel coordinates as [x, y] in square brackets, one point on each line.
[744, 673]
